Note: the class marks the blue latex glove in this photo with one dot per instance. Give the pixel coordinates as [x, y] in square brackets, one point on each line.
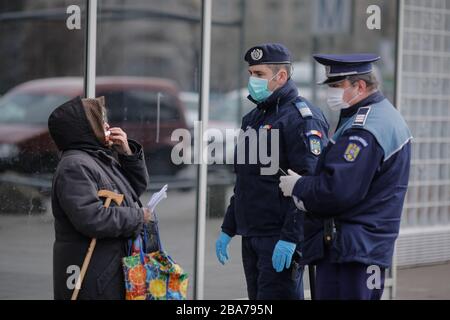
[222, 247]
[282, 255]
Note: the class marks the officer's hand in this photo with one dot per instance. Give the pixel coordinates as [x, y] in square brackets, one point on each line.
[287, 183]
[222, 247]
[282, 255]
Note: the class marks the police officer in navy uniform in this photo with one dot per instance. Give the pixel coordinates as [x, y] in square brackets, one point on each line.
[354, 200]
[270, 224]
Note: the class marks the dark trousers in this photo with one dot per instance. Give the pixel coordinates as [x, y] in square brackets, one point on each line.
[263, 282]
[348, 281]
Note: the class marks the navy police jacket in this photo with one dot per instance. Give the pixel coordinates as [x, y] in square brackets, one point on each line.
[257, 207]
[360, 182]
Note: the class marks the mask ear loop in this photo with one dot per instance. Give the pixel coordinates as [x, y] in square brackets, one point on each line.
[272, 79]
[274, 76]
[356, 96]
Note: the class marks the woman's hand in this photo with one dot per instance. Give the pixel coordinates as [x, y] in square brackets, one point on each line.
[118, 139]
[148, 217]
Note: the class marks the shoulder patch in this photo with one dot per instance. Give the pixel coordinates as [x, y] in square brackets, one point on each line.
[304, 110]
[361, 116]
[315, 145]
[315, 142]
[352, 152]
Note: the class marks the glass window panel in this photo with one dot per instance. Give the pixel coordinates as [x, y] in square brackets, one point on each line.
[148, 58]
[41, 67]
[289, 22]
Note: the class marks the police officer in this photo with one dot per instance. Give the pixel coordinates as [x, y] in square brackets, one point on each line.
[270, 224]
[354, 201]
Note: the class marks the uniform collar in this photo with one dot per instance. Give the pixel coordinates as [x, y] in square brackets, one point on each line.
[280, 96]
[375, 97]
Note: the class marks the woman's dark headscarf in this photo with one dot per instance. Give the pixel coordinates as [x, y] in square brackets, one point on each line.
[78, 124]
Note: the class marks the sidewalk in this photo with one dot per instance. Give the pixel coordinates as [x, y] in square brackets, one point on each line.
[430, 282]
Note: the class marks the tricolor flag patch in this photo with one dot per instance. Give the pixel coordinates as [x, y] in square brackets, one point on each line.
[361, 116]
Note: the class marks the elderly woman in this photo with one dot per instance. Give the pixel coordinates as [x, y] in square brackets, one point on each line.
[94, 157]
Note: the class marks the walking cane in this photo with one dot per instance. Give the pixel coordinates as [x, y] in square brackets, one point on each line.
[109, 195]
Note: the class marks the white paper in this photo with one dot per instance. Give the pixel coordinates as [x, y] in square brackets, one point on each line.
[156, 198]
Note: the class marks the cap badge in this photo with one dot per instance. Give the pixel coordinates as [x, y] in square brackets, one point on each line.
[256, 54]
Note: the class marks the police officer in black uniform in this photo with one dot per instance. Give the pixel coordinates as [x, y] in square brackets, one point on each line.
[270, 224]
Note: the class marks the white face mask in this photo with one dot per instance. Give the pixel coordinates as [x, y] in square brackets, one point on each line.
[335, 98]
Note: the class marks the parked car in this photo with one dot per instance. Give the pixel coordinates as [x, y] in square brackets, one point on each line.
[132, 103]
[191, 103]
[223, 116]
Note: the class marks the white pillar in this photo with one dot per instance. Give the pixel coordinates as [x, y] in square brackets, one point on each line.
[90, 53]
[202, 186]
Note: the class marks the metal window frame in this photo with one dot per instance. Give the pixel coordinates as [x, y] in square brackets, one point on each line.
[90, 49]
[201, 196]
[202, 172]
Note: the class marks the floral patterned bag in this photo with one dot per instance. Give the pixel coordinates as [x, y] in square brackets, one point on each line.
[152, 276]
[135, 272]
[166, 280]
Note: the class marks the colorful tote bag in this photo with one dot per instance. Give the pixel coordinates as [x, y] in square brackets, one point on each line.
[166, 280]
[152, 276]
[135, 272]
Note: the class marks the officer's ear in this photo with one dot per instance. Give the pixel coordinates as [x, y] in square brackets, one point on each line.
[362, 86]
[283, 75]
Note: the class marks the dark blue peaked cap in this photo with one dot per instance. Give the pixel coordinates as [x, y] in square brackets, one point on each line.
[339, 66]
[268, 53]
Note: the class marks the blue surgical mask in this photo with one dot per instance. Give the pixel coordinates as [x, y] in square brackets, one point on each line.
[258, 88]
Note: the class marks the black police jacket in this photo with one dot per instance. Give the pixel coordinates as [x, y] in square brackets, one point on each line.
[258, 207]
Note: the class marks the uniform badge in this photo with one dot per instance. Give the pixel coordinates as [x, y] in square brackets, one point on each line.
[315, 142]
[266, 127]
[315, 145]
[256, 54]
[352, 152]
